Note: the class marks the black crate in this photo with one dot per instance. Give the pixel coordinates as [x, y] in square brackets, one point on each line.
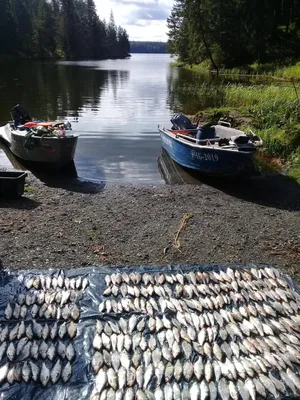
[12, 183]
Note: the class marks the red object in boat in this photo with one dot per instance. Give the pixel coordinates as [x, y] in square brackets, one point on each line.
[30, 124]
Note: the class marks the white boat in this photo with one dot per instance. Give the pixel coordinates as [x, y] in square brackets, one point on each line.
[42, 145]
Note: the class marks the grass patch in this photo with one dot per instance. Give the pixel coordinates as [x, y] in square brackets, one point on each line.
[271, 70]
[271, 111]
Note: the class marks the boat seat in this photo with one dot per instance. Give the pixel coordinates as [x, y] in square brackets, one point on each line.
[226, 132]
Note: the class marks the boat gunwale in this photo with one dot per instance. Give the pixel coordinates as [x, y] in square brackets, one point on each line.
[211, 147]
[21, 134]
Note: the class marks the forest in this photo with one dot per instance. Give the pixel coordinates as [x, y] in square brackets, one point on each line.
[236, 32]
[68, 29]
[147, 47]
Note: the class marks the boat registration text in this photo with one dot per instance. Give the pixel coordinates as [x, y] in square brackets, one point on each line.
[205, 156]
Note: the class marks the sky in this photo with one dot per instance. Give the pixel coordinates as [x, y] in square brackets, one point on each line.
[143, 20]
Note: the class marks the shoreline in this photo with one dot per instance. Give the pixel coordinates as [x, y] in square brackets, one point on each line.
[87, 224]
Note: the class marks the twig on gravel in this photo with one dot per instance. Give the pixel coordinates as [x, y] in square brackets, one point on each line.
[182, 225]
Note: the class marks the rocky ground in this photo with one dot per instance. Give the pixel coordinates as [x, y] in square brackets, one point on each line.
[79, 224]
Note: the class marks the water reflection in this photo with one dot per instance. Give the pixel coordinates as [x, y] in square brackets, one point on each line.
[52, 90]
[115, 106]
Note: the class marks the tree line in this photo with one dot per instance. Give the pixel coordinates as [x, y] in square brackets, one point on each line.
[235, 32]
[59, 29]
[147, 47]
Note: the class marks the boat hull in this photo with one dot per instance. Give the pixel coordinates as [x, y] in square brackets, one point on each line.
[52, 151]
[208, 160]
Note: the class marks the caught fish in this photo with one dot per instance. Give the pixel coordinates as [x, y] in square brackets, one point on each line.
[26, 372]
[34, 371]
[34, 351]
[11, 352]
[3, 372]
[72, 330]
[66, 372]
[51, 352]
[56, 372]
[61, 349]
[62, 331]
[223, 389]
[43, 348]
[44, 375]
[8, 311]
[4, 334]
[66, 312]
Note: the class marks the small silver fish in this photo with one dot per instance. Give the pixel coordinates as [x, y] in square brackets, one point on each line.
[62, 331]
[43, 348]
[8, 311]
[26, 372]
[72, 330]
[61, 349]
[2, 350]
[223, 389]
[21, 330]
[4, 334]
[66, 312]
[34, 371]
[112, 378]
[54, 331]
[70, 352]
[10, 375]
[75, 313]
[14, 332]
[20, 345]
[56, 372]
[44, 375]
[67, 372]
[3, 372]
[34, 351]
[37, 329]
[51, 352]
[11, 351]
[97, 361]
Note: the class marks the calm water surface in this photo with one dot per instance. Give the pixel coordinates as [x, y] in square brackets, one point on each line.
[115, 106]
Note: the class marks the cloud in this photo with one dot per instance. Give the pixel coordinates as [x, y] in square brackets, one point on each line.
[137, 3]
[139, 15]
[143, 19]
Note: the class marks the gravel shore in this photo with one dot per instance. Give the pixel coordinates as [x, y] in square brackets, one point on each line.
[79, 224]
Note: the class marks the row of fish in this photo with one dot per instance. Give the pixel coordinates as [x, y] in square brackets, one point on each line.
[109, 385]
[229, 275]
[253, 290]
[24, 349]
[35, 330]
[31, 371]
[215, 303]
[53, 282]
[60, 297]
[45, 311]
[277, 352]
[191, 327]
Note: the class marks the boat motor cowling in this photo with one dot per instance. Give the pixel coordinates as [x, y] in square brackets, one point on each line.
[180, 121]
[21, 115]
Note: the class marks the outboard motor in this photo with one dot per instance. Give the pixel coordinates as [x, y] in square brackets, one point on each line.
[20, 115]
[180, 122]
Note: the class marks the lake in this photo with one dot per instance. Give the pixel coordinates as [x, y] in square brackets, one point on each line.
[115, 106]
